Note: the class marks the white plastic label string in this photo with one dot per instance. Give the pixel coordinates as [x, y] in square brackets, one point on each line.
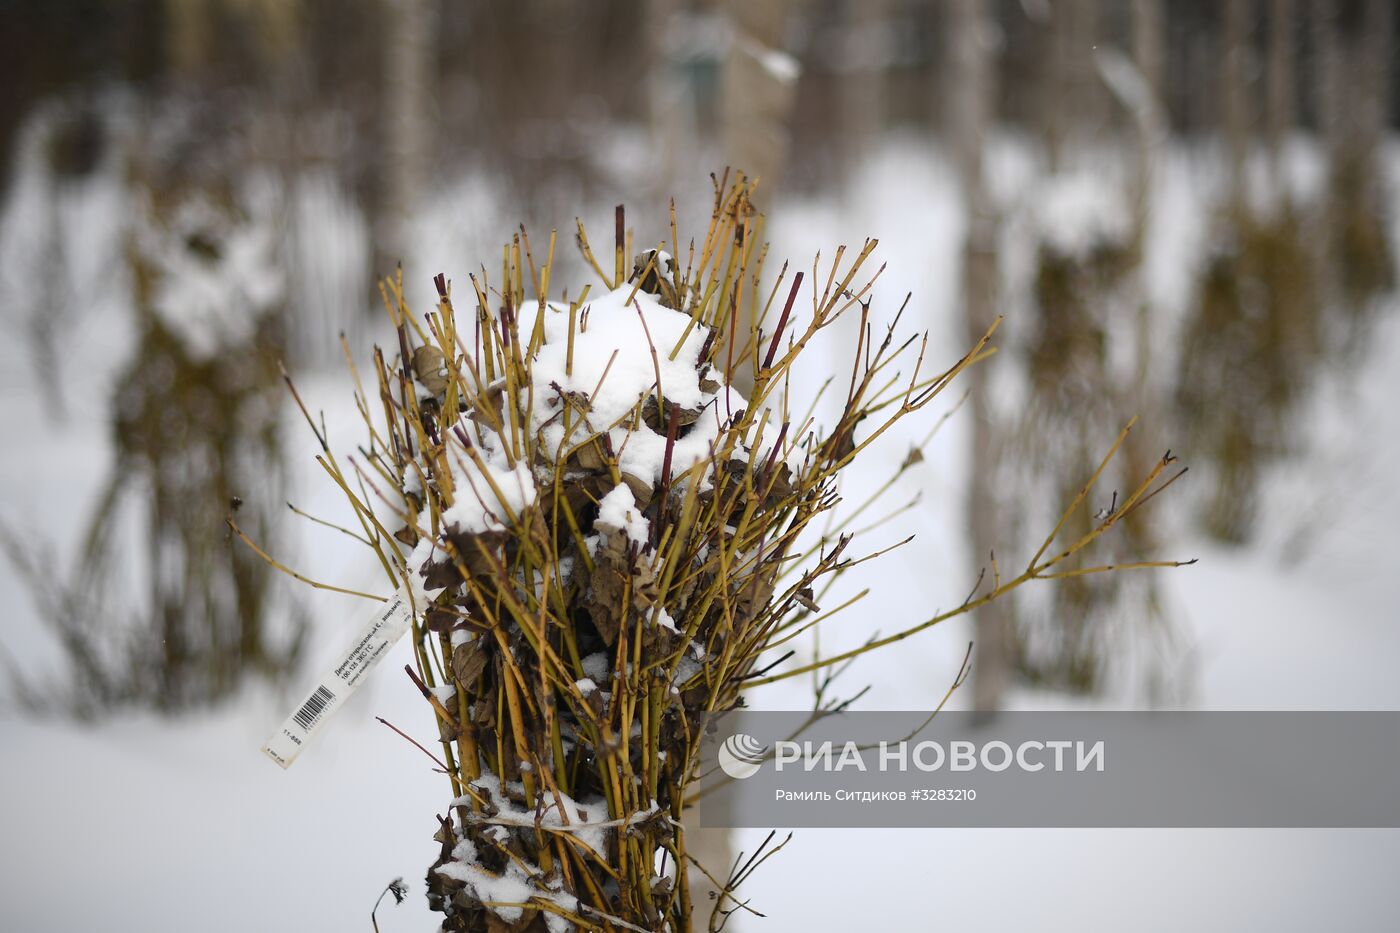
[386, 627]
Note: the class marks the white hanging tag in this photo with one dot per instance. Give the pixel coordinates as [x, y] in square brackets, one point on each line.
[387, 626]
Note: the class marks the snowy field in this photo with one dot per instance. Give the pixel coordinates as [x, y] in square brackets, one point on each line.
[145, 824]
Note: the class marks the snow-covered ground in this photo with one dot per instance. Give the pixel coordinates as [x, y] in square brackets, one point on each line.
[146, 824]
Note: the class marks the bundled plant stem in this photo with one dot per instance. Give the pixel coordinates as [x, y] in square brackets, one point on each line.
[607, 539]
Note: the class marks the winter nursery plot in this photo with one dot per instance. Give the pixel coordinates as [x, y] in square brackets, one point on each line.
[598, 542]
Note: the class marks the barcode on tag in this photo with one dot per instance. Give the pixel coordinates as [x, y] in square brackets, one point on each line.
[371, 643]
[313, 708]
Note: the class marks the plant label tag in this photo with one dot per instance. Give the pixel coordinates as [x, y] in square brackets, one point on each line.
[373, 641]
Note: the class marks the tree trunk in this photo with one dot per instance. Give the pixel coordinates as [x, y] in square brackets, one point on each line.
[861, 88]
[971, 31]
[1327, 79]
[672, 134]
[1280, 112]
[757, 89]
[1377, 48]
[1234, 90]
[408, 80]
[1282, 88]
[1149, 116]
[1075, 103]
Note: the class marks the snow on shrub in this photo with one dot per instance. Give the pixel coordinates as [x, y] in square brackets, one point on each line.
[608, 541]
